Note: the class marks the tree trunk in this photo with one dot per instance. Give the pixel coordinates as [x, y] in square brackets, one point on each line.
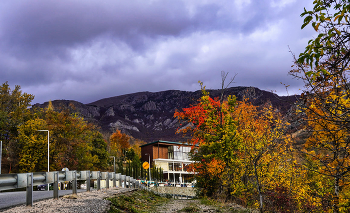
[336, 195]
[259, 189]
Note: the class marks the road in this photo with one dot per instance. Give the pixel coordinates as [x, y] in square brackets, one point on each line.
[9, 199]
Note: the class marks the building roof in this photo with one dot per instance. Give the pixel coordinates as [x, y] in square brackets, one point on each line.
[165, 142]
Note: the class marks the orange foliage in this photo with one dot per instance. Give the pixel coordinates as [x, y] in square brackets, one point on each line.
[213, 140]
[215, 167]
[119, 142]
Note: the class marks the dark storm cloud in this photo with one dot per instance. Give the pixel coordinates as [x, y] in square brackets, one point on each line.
[66, 23]
[87, 50]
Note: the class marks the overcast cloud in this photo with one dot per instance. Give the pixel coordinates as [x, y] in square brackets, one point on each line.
[86, 50]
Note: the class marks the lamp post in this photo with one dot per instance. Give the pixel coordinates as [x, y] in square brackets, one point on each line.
[48, 153]
[113, 161]
[149, 169]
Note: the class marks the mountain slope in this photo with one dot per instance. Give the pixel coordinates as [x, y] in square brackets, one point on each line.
[149, 115]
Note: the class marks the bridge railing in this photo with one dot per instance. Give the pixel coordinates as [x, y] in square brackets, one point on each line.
[29, 180]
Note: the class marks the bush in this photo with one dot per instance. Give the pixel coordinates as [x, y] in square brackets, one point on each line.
[280, 200]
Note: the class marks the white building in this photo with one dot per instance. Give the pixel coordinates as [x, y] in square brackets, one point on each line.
[172, 157]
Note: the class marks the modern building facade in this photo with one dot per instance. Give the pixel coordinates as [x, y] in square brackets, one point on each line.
[172, 157]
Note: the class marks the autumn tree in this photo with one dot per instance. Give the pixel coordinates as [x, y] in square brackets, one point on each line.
[241, 150]
[327, 150]
[135, 145]
[119, 146]
[323, 66]
[214, 142]
[71, 139]
[74, 143]
[14, 111]
[119, 143]
[33, 154]
[261, 132]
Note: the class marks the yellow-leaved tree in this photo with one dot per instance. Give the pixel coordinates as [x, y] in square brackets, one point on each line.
[261, 130]
[73, 143]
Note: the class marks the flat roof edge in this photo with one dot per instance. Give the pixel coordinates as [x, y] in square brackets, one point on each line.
[160, 141]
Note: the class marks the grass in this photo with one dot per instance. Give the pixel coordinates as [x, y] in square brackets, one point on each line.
[143, 201]
[140, 201]
[190, 209]
[209, 202]
[222, 207]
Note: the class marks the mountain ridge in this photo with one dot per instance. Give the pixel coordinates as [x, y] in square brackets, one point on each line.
[149, 115]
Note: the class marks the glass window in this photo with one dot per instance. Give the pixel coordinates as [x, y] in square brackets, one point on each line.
[178, 152]
[170, 152]
[178, 166]
[186, 151]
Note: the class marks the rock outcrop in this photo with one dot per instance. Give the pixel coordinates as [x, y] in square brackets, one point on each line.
[149, 115]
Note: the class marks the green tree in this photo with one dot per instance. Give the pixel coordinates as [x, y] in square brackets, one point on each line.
[330, 18]
[99, 149]
[14, 111]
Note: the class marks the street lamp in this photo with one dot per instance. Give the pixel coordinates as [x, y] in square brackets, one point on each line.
[48, 152]
[149, 169]
[113, 161]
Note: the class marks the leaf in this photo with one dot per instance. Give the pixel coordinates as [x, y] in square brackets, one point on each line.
[335, 18]
[338, 32]
[306, 21]
[316, 27]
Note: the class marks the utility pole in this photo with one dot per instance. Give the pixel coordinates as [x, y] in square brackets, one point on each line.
[149, 169]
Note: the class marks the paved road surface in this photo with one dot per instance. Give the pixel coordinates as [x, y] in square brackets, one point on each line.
[9, 199]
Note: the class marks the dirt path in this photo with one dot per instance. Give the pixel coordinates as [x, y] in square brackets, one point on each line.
[176, 205]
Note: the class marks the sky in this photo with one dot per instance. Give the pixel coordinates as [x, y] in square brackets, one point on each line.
[86, 50]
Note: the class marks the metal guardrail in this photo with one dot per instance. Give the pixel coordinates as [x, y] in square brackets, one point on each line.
[29, 180]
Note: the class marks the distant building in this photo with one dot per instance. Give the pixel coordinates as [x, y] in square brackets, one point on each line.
[172, 157]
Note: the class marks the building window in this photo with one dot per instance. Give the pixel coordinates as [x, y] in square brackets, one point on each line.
[181, 152]
[178, 152]
[170, 152]
[178, 166]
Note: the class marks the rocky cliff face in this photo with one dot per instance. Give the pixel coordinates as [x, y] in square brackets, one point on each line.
[149, 115]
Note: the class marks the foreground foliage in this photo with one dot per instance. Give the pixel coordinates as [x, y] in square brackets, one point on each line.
[240, 150]
[324, 68]
[14, 111]
[262, 166]
[145, 201]
[137, 201]
[74, 143]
